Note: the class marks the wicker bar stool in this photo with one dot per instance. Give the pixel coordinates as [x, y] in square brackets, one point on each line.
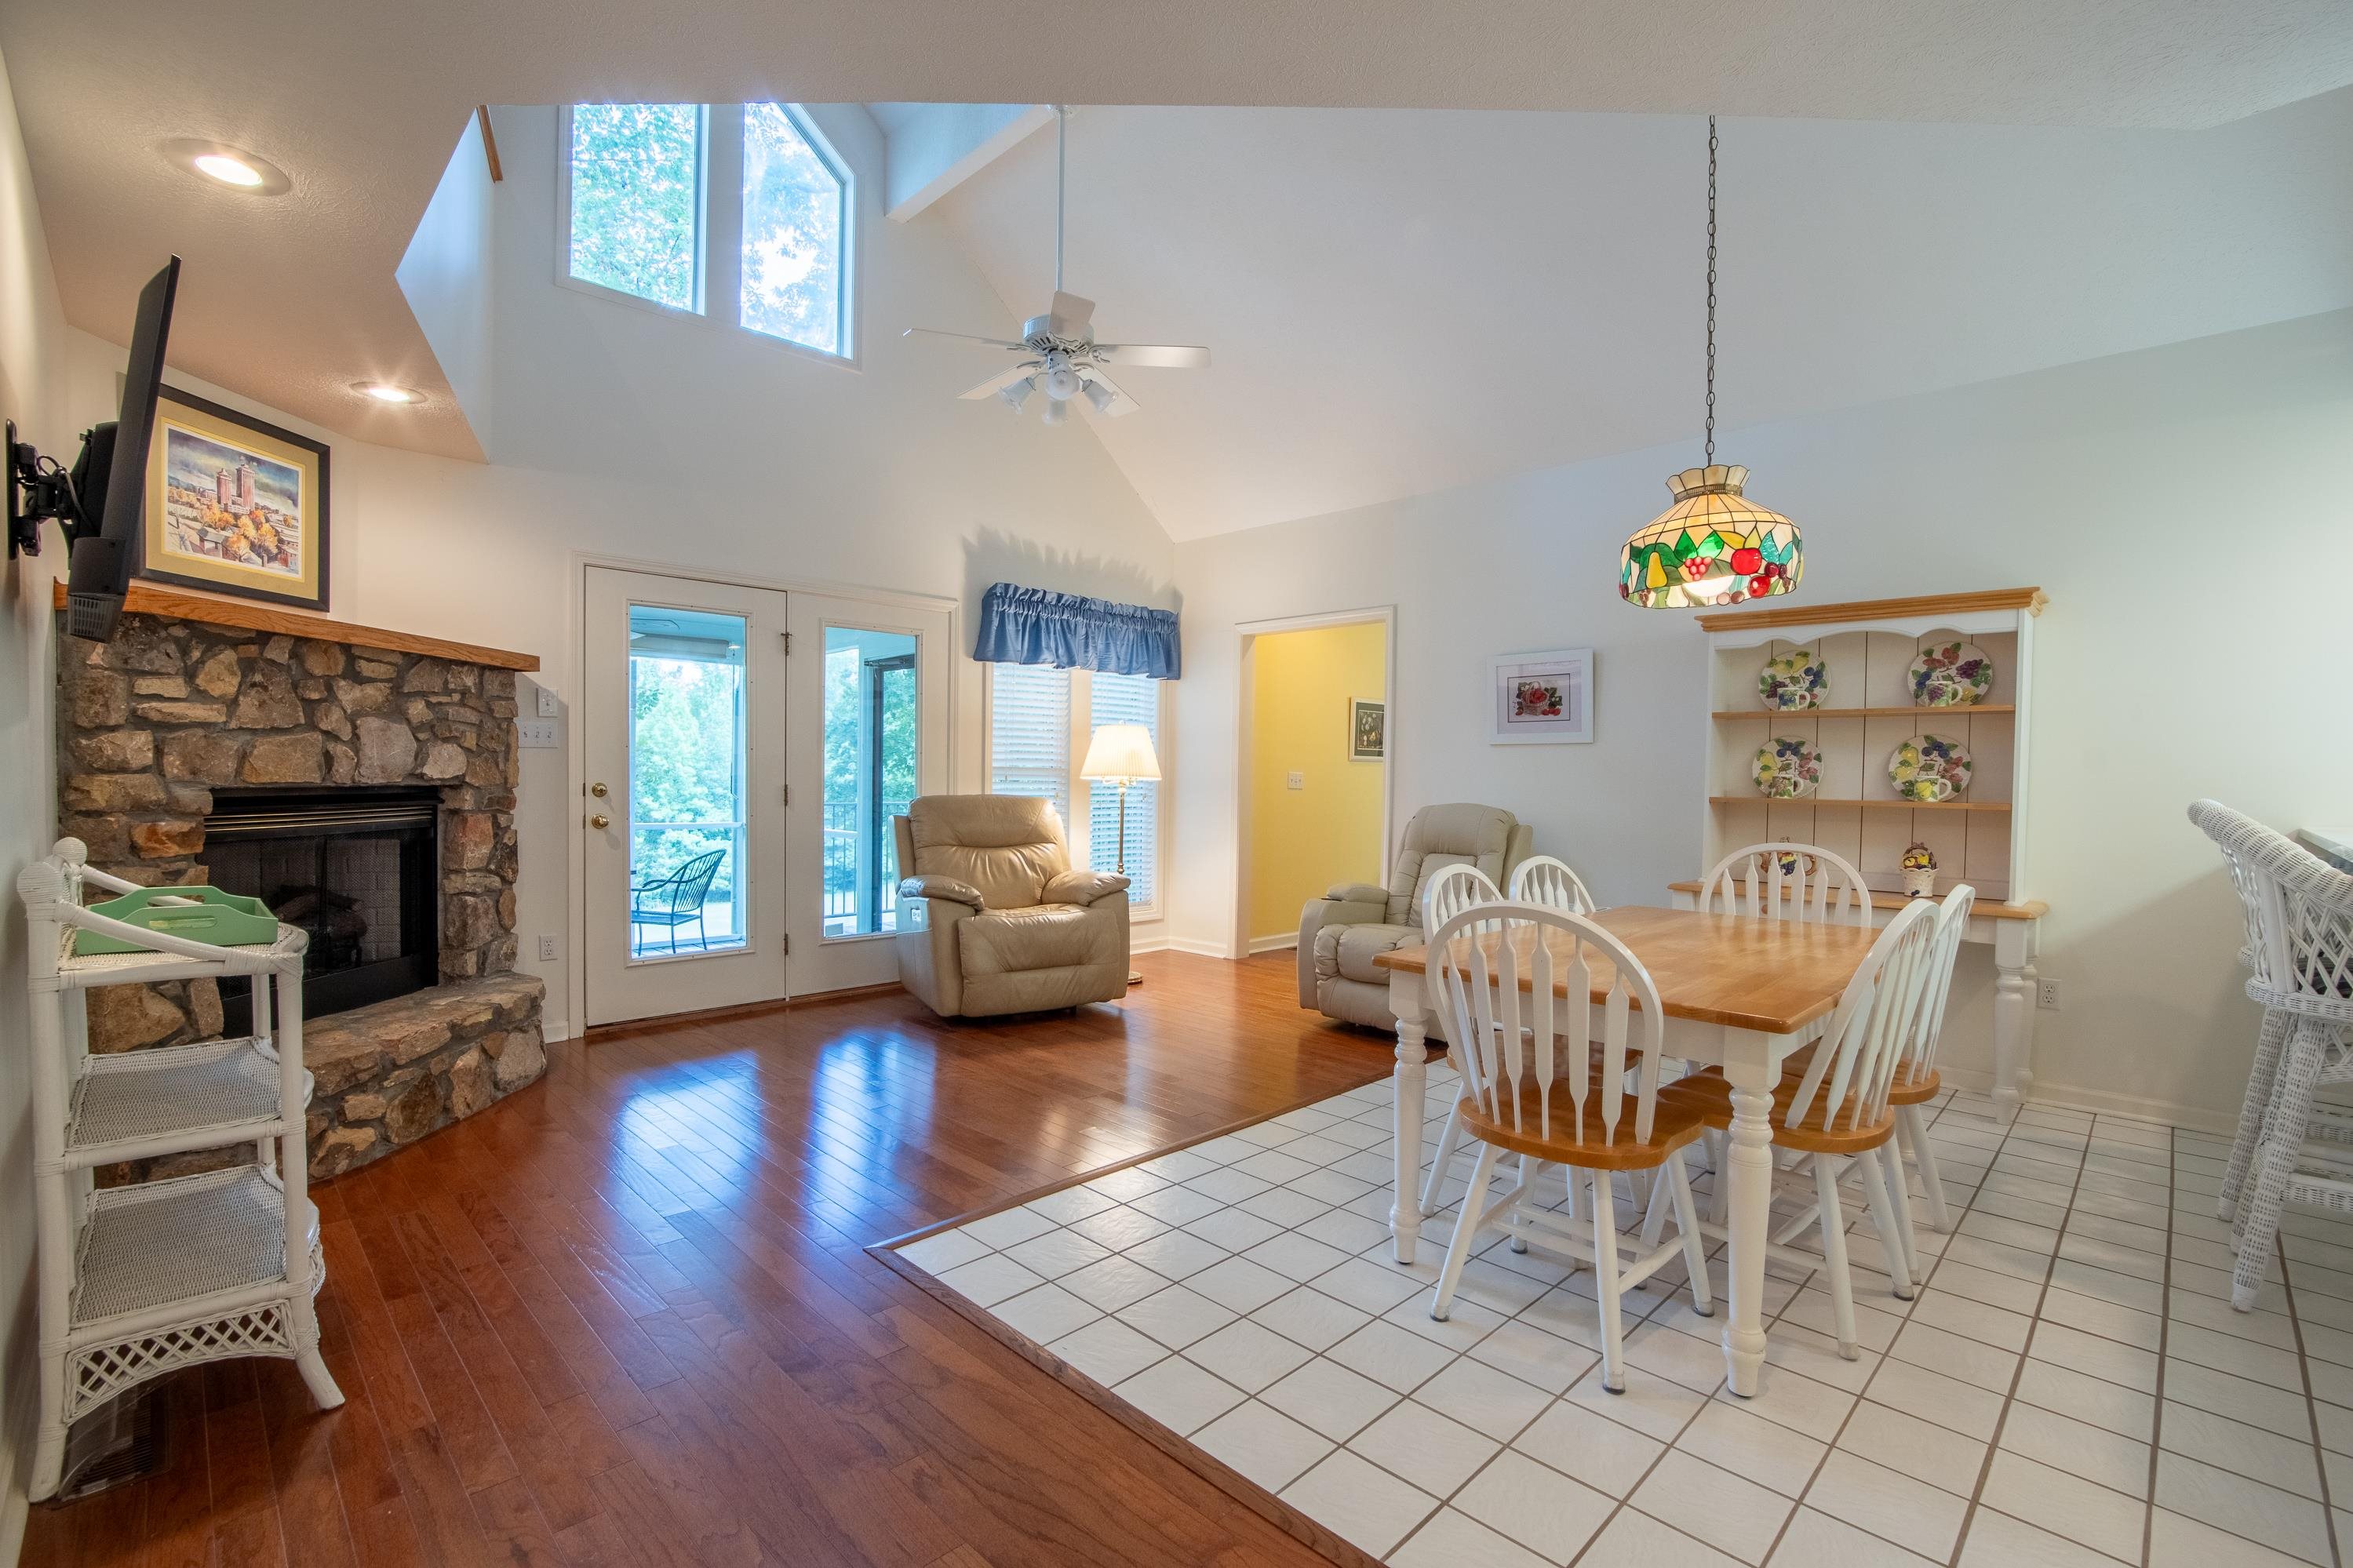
[2299, 913]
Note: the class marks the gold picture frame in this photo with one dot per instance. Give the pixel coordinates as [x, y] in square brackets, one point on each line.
[235, 505]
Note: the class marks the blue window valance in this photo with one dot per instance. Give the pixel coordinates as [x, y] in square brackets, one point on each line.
[1069, 631]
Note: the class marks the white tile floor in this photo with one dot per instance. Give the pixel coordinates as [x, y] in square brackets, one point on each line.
[2069, 1386]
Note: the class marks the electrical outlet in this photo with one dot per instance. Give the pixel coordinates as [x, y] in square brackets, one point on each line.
[538, 733]
[1294, 779]
[2046, 996]
[546, 949]
[549, 707]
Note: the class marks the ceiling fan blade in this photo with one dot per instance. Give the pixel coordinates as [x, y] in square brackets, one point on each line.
[1153, 357]
[997, 383]
[967, 337]
[1121, 403]
[1073, 310]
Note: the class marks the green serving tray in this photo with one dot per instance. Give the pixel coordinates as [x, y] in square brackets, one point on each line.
[224, 920]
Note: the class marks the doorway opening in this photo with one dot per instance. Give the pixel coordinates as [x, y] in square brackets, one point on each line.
[1314, 757]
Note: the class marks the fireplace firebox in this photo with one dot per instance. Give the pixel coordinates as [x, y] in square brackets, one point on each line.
[355, 868]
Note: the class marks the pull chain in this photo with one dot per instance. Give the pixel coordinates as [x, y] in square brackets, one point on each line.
[1711, 290]
[1060, 182]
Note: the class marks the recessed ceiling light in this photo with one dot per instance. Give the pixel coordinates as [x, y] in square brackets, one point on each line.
[226, 165]
[388, 392]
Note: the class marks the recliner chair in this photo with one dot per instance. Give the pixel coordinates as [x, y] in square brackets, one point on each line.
[994, 920]
[1342, 932]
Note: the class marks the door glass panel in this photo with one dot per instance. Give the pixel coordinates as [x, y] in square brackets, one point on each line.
[687, 800]
[870, 728]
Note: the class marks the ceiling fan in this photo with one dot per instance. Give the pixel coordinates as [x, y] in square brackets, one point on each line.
[1059, 354]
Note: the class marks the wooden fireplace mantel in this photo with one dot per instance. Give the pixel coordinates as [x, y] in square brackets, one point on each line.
[148, 599]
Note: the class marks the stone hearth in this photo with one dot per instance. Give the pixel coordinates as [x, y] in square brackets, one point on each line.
[152, 721]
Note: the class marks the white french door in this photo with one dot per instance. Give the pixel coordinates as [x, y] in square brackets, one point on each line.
[684, 819]
[867, 722]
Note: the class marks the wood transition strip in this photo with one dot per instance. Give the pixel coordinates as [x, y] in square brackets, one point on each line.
[243, 614]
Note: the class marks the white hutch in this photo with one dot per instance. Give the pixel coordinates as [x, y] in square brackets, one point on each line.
[1866, 712]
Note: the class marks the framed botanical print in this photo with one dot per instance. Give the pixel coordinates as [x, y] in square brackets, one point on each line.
[1541, 698]
[1369, 730]
[234, 505]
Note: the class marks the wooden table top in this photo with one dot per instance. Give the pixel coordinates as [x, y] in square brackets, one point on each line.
[1777, 977]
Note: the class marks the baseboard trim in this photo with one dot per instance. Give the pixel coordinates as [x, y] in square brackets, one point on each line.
[597, 1032]
[1196, 947]
[2195, 1117]
[1259, 944]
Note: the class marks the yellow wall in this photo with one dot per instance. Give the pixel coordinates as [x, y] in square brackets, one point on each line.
[1304, 840]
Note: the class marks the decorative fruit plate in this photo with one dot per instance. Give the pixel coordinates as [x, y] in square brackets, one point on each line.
[1929, 768]
[1950, 675]
[1788, 768]
[1797, 679]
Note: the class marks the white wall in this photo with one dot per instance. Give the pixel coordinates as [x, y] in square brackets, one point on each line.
[2185, 509]
[32, 329]
[617, 430]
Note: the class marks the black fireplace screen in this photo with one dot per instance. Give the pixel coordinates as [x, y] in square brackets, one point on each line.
[355, 868]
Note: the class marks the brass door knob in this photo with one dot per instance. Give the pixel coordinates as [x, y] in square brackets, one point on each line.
[597, 790]
[600, 820]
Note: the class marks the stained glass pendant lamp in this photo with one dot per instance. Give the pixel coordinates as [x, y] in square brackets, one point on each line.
[1714, 545]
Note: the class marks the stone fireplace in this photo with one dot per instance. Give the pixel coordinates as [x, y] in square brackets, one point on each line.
[366, 793]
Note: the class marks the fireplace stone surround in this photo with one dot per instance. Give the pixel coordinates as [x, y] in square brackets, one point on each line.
[174, 707]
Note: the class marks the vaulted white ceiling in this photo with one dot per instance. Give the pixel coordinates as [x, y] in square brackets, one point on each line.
[1398, 302]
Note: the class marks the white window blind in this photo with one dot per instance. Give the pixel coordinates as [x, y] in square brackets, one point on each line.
[1127, 699]
[1030, 733]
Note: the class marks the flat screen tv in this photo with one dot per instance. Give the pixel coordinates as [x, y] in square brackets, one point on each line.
[109, 477]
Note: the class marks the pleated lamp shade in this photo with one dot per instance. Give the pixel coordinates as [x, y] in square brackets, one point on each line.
[1713, 546]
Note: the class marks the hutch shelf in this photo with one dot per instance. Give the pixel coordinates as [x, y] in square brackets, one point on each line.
[136, 1281]
[1977, 837]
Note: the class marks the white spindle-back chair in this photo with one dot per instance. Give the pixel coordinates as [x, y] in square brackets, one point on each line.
[1917, 1080]
[1544, 880]
[1835, 1109]
[1547, 1076]
[1448, 894]
[1786, 881]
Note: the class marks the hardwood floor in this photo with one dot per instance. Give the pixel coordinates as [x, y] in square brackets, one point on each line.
[625, 1317]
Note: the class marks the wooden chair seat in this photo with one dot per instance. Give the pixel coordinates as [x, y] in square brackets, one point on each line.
[1915, 1091]
[1709, 1093]
[1672, 1127]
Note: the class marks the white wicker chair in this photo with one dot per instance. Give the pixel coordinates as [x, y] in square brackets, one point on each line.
[2299, 913]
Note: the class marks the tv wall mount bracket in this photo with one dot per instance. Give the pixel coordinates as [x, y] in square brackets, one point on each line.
[38, 487]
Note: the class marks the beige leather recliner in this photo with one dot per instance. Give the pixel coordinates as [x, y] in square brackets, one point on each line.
[1342, 932]
[992, 918]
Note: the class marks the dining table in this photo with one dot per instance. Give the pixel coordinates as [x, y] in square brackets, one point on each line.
[1739, 993]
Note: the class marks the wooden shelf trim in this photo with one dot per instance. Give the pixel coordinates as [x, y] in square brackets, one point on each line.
[2030, 600]
[1866, 805]
[1957, 711]
[147, 599]
[2030, 909]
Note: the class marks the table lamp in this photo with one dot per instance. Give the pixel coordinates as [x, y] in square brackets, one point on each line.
[1122, 753]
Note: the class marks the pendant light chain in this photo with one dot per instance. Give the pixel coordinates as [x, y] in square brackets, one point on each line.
[1711, 289]
[1062, 112]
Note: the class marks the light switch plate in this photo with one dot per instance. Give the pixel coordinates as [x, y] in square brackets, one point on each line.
[549, 707]
[1294, 780]
[535, 733]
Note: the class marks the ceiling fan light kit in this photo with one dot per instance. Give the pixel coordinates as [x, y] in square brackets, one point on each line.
[1714, 545]
[1059, 356]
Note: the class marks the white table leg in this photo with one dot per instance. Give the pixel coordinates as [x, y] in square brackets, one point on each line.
[1749, 1066]
[2014, 1013]
[1410, 1079]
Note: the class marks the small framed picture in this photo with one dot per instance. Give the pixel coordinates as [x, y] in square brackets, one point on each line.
[1541, 698]
[235, 505]
[1369, 730]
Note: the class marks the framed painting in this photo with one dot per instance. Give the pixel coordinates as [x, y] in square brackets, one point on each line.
[1541, 698]
[234, 505]
[1369, 730]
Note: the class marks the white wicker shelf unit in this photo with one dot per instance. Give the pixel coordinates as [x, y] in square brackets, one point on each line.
[1978, 836]
[135, 1281]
